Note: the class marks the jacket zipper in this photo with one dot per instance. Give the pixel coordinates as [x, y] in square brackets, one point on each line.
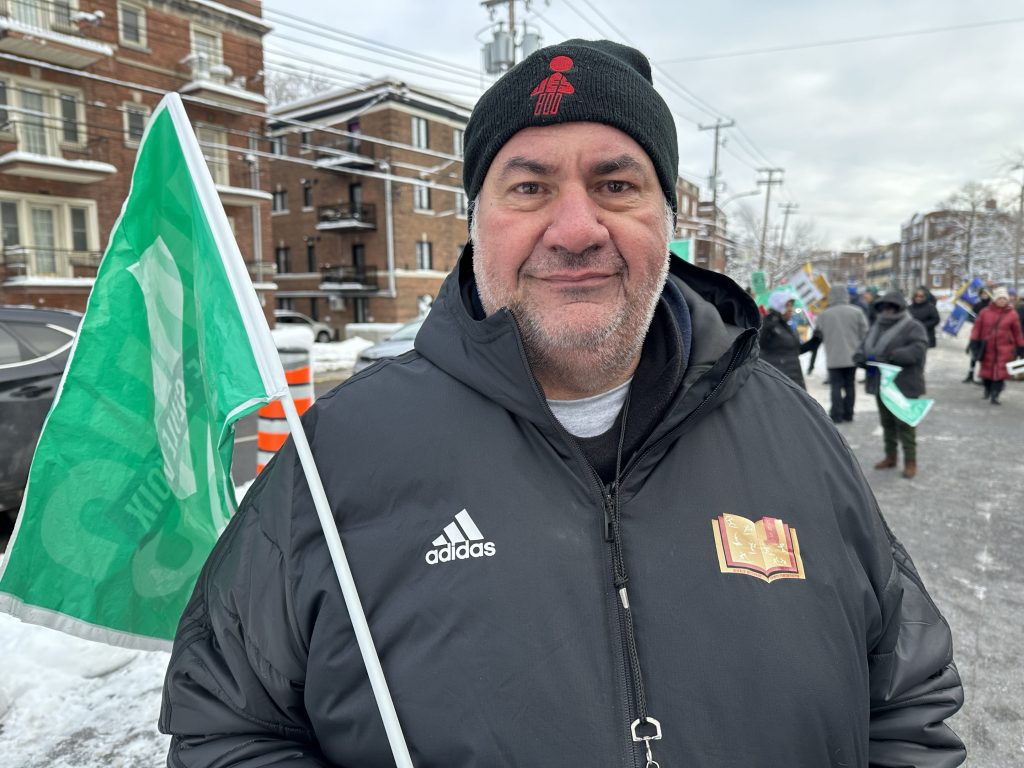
[629, 673]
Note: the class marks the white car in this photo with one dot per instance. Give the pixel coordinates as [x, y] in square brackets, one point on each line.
[321, 331]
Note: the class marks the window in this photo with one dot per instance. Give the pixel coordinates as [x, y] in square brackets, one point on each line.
[5, 124]
[461, 205]
[206, 52]
[9, 224]
[44, 235]
[305, 139]
[69, 118]
[279, 201]
[424, 259]
[33, 126]
[354, 127]
[281, 259]
[419, 133]
[421, 198]
[61, 14]
[311, 256]
[213, 142]
[79, 229]
[307, 195]
[132, 25]
[458, 142]
[135, 116]
[359, 261]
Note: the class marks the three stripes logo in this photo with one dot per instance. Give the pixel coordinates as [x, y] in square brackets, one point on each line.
[461, 540]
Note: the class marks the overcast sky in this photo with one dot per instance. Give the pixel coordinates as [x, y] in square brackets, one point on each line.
[867, 132]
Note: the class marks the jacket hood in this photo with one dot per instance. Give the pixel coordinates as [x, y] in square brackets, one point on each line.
[892, 297]
[838, 295]
[487, 354]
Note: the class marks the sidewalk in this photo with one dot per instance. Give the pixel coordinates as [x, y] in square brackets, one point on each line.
[962, 519]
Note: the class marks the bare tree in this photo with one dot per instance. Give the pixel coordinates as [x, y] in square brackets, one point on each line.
[972, 236]
[282, 87]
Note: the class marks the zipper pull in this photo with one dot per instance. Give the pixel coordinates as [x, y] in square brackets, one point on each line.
[609, 507]
[647, 739]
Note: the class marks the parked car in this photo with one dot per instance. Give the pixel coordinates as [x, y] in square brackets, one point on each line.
[34, 348]
[321, 331]
[399, 342]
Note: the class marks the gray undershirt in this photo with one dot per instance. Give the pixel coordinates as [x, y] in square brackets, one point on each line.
[591, 416]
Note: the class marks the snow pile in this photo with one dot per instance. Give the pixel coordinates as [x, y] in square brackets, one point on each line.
[338, 356]
[71, 703]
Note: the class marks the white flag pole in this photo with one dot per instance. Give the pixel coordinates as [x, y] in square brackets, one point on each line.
[348, 589]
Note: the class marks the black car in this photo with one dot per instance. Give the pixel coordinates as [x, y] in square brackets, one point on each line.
[34, 348]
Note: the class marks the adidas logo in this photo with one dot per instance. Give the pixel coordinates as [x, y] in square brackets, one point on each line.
[461, 540]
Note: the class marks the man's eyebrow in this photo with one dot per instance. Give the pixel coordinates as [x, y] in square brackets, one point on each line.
[520, 163]
[617, 165]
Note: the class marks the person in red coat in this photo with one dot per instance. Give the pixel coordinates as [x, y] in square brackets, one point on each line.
[997, 339]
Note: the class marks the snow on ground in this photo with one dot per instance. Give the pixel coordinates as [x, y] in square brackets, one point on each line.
[71, 703]
[338, 356]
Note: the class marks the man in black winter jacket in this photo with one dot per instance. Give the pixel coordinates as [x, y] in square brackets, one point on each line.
[571, 545]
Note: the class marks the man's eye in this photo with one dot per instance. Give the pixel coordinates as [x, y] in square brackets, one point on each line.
[528, 188]
[618, 187]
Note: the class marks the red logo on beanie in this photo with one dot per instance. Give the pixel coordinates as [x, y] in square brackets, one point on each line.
[551, 89]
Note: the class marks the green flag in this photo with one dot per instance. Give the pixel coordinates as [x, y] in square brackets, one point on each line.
[910, 411]
[130, 484]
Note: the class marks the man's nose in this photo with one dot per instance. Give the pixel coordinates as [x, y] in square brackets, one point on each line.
[576, 222]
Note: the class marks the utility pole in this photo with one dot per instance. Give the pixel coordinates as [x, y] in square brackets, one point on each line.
[1020, 224]
[769, 182]
[500, 54]
[787, 208]
[717, 127]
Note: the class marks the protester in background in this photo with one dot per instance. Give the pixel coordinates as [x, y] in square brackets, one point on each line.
[584, 434]
[922, 308]
[1020, 309]
[996, 340]
[780, 344]
[842, 327]
[896, 338]
[984, 299]
[867, 303]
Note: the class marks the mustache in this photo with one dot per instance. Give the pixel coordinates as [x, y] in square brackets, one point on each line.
[556, 259]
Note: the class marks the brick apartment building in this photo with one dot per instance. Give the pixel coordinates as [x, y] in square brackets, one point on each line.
[77, 83]
[348, 251]
[368, 210]
[882, 267]
[840, 267]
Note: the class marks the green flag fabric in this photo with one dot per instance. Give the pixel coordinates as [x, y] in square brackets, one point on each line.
[130, 484]
[908, 410]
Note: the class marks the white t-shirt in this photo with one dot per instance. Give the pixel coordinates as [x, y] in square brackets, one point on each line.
[591, 416]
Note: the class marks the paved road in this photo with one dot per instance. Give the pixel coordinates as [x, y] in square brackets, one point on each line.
[243, 465]
[962, 519]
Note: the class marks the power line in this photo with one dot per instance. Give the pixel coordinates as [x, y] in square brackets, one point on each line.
[841, 41]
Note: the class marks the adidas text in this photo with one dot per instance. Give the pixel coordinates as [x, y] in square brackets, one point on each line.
[462, 551]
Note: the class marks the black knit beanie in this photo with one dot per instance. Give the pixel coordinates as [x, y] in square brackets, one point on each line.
[595, 81]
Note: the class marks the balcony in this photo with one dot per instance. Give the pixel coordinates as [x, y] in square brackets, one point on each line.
[345, 153]
[46, 30]
[346, 218]
[38, 155]
[215, 82]
[20, 262]
[349, 280]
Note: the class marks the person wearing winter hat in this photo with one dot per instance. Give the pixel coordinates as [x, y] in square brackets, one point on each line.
[897, 338]
[780, 344]
[560, 509]
[842, 328]
[996, 339]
